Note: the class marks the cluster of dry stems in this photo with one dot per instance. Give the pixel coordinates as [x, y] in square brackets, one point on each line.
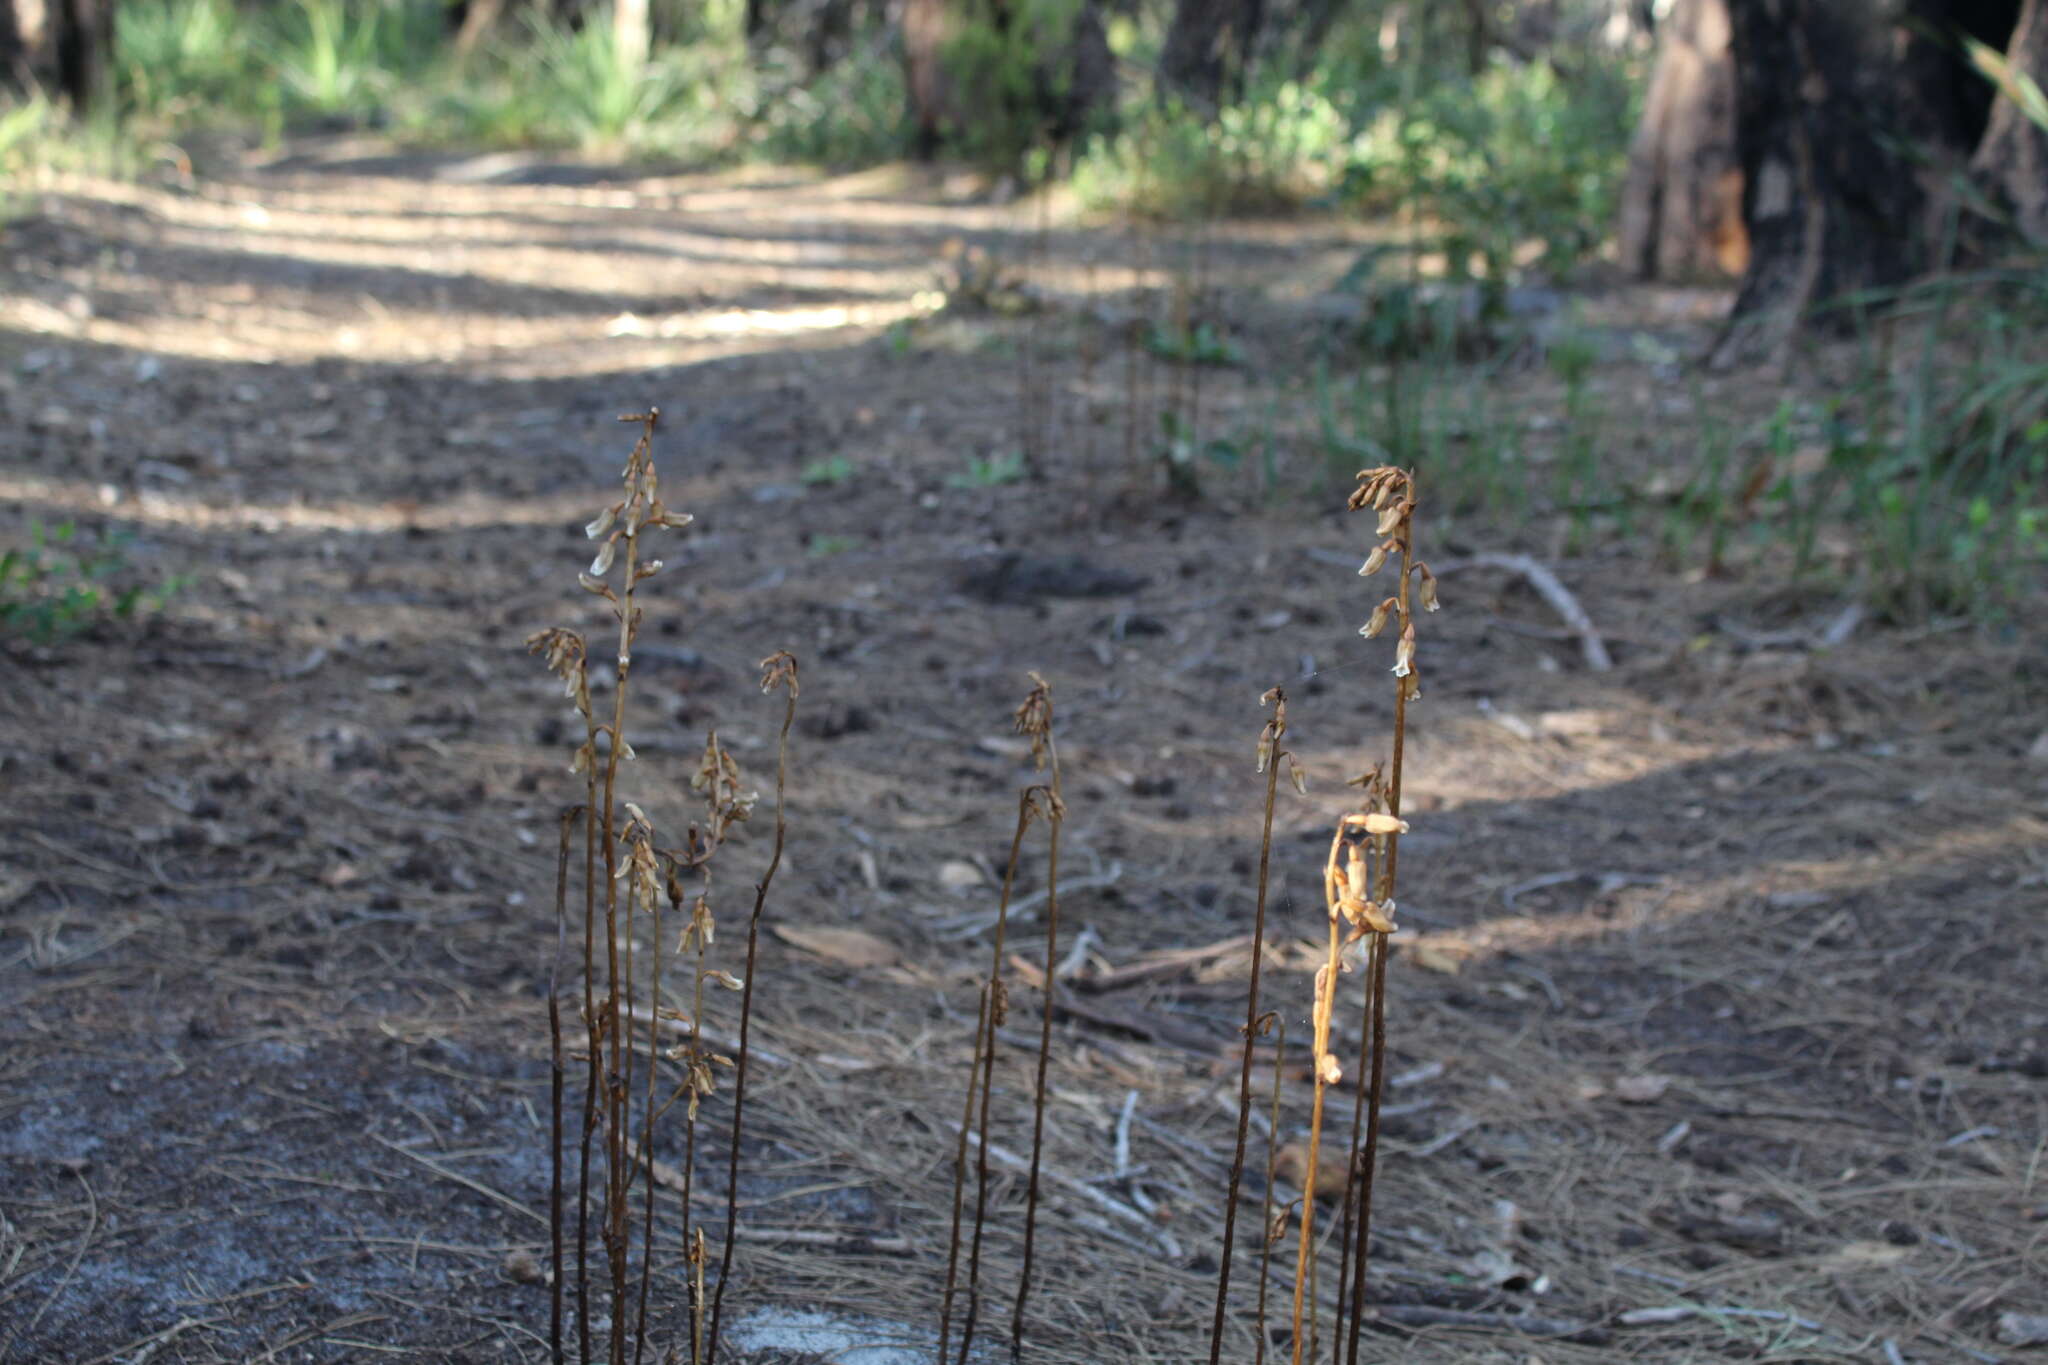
[630, 998]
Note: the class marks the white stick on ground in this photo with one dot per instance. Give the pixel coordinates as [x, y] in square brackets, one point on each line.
[1552, 591]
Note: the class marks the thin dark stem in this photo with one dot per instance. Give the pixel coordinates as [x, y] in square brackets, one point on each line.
[988, 1077]
[739, 1082]
[1052, 941]
[1266, 1238]
[1244, 1078]
[1368, 1160]
[594, 1045]
[555, 1077]
[647, 1132]
[981, 1030]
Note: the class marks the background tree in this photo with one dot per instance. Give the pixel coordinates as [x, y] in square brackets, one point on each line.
[2012, 159]
[995, 78]
[1208, 50]
[1854, 123]
[62, 46]
[1681, 204]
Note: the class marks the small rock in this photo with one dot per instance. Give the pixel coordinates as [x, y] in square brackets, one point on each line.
[523, 1267]
[2022, 1329]
[959, 875]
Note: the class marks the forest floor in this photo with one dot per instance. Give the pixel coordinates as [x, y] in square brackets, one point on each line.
[1719, 992]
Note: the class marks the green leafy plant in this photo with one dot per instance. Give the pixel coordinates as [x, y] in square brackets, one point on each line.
[829, 472]
[1201, 344]
[63, 582]
[1182, 453]
[991, 471]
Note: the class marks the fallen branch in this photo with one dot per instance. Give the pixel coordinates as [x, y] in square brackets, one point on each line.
[1003, 1156]
[1552, 591]
[1023, 908]
[1424, 1315]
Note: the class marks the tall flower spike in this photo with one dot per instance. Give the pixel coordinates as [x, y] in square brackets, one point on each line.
[1033, 718]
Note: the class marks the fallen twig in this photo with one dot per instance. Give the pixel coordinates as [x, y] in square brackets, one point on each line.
[1425, 1315]
[1553, 591]
[1023, 908]
[495, 1196]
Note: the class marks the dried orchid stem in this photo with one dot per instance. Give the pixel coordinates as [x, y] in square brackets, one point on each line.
[1056, 818]
[1326, 991]
[1270, 1234]
[616, 1156]
[1269, 759]
[647, 1131]
[612, 1052]
[778, 669]
[593, 1077]
[556, 1068]
[692, 1062]
[1367, 1161]
[981, 1031]
[994, 1021]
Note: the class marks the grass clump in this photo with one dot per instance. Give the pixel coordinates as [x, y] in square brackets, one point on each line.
[66, 581]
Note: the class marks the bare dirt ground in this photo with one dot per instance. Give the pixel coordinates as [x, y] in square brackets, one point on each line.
[1720, 987]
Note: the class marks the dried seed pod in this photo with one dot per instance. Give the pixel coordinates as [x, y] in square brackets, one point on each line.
[1377, 823]
[1404, 652]
[1378, 621]
[1425, 587]
[603, 521]
[1327, 1069]
[1296, 776]
[602, 564]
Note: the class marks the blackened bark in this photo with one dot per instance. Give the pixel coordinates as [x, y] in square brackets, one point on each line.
[14, 64]
[69, 50]
[1073, 74]
[1207, 50]
[1855, 119]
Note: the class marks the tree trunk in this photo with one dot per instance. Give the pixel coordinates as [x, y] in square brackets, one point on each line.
[1072, 73]
[631, 36]
[1681, 205]
[15, 72]
[2012, 159]
[1852, 120]
[1207, 50]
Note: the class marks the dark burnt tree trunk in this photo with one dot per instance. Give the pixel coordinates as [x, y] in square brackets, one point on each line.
[2011, 161]
[1208, 48]
[1681, 205]
[14, 59]
[1073, 74]
[1853, 118]
[63, 47]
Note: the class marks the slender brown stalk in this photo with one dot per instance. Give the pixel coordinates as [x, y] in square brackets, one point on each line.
[1390, 492]
[1056, 818]
[616, 1157]
[781, 669]
[981, 1031]
[1368, 1159]
[994, 1021]
[1268, 1232]
[556, 1067]
[1269, 739]
[594, 1040]
[647, 1129]
[1326, 990]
